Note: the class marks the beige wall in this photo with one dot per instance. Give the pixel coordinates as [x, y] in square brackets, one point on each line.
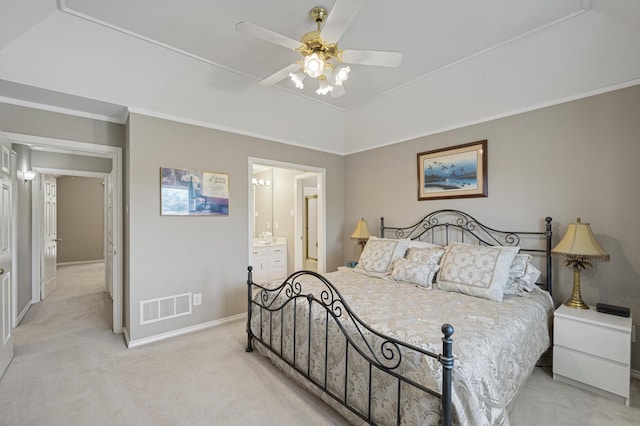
[209, 255]
[575, 159]
[30, 121]
[80, 219]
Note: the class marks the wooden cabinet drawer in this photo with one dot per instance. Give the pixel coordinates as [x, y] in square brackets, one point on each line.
[260, 251]
[275, 262]
[605, 342]
[603, 374]
[278, 251]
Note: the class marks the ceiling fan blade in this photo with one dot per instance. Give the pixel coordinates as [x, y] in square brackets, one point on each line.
[267, 35]
[338, 91]
[379, 58]
[339, 19]
[280, 75]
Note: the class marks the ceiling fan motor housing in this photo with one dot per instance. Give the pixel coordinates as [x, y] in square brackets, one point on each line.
[313, 43]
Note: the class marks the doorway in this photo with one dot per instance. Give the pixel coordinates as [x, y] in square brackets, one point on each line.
[113, 218]
[288, 209]
[311, 227]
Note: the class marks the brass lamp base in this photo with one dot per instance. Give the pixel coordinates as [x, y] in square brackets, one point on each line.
[576, 304]
[576, 299]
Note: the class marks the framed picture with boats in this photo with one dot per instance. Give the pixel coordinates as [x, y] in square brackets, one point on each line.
[455, 172]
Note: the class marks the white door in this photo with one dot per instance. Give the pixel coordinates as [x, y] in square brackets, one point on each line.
[50, 240]
[109, 235]
[6, 342]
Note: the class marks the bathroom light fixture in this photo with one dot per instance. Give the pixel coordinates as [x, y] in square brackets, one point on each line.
[261, 182]
[28, 175]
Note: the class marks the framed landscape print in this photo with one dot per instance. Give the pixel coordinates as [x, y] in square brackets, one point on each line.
[193, 193]
[455, 172]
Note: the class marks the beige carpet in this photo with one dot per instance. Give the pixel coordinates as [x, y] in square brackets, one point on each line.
[69, 369]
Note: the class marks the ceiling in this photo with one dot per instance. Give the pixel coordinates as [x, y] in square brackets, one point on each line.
[161, 56]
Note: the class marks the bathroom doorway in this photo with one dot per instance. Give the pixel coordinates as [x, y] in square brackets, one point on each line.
[278, 212]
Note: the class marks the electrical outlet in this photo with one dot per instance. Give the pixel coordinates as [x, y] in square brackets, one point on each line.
[197, 299]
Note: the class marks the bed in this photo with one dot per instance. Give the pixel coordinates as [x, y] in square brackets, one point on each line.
[398, 342]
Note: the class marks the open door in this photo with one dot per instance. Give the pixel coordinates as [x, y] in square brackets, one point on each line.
[50, 240]
[6, 332]
[109, 235]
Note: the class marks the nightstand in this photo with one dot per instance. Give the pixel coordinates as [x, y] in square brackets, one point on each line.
[593, 349]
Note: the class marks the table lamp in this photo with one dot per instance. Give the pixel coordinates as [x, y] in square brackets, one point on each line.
[361, 233]
[579, 247]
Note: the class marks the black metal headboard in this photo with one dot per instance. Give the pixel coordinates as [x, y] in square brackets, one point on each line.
[442, 226]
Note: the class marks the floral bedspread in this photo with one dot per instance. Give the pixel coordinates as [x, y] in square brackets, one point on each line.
[495, 344]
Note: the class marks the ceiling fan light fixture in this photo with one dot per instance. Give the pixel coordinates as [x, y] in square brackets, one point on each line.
[297, 78]
[321, 57]
[324, 87]
[313, 65]
[341, 75]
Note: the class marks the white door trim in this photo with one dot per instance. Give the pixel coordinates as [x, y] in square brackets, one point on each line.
[299, 222]
[321, 175]
[95, 150]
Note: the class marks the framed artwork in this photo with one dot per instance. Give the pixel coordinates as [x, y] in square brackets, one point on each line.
[455, 172]
[193, 193]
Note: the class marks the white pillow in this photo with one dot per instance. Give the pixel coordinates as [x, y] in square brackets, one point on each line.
[528, 282]
[518, 271]
[414, 272]
[379, 253]
[522, 277]
[422, 244]
[479, 271]
[425, 255]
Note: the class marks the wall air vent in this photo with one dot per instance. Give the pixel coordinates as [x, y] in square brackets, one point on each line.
[165, 308]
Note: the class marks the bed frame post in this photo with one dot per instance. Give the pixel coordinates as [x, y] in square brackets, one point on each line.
[548, 234]
[382, 227]
[249, 291]
[446, 359]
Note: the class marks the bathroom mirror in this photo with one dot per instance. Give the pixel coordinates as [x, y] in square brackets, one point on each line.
[262, 201]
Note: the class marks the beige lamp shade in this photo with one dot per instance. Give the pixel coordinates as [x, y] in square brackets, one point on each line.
[362, 231]
[580, 243]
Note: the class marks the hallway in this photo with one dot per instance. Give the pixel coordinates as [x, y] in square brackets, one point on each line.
[59, 340]
[79, 307]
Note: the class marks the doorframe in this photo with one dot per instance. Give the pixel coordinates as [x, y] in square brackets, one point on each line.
[300, 198]
[86, 149]
[307, 171]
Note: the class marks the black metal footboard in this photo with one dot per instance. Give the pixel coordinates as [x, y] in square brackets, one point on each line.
[305, 307]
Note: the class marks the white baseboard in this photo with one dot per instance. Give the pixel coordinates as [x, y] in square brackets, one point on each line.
[80, 262]
[635, 373]
[179, 332]
[22, 314]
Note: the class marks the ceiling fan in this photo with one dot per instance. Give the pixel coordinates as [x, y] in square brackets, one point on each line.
[321, 57]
